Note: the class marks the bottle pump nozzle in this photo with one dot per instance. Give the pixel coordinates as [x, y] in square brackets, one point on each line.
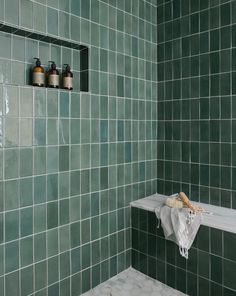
[38, 62]
[53, 65]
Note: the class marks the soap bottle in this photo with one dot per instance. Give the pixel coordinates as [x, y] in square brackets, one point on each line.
[53, 76]
[38, 76]
[67, 78]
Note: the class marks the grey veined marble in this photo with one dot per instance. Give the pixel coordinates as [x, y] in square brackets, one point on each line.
[132, 283]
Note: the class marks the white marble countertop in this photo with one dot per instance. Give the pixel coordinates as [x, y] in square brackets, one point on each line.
[220, 218]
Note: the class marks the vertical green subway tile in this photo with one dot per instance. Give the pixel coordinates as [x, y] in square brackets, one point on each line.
[11, 194]
[39, 132]
[26, 162]
[52, 215]
[11, 163]
[64, 25]
[39, 103]
[12, 284]
[39, 247]
[52, 187]
[40, 275]
[39, 189]
[12, 12]
[64, 104]
[39, 218]
[26, 251]
[26, 280]
[11, 225]
[52, 21]
[26, 222]
[52, 159]
[39, 17]
[26, 14]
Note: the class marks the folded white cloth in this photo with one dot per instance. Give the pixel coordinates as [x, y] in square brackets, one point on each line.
[179, 226]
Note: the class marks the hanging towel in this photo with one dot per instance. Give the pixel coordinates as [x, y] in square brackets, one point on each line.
[179, 226]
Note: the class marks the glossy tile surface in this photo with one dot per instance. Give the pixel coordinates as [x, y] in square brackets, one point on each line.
[71, 162]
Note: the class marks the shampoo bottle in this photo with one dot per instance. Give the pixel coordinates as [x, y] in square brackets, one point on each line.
[53, 76]
[38, 76]
[67, 78]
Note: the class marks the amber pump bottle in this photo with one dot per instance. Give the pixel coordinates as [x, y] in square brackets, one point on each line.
[38, 76]
[53, 76]
[67, 78]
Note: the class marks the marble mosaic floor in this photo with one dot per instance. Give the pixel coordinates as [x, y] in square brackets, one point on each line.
[132, 283]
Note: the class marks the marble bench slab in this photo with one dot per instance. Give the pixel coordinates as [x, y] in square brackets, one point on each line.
[219, 217]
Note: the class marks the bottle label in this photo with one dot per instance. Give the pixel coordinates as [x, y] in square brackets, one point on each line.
[53, 80]
[38, 78]
[68, 82]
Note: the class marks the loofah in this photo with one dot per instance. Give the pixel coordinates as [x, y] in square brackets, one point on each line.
[174, 203]
[182, 201]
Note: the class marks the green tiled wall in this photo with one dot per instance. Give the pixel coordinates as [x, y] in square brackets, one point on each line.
[196, 76]
[209, 271]
[70, 163]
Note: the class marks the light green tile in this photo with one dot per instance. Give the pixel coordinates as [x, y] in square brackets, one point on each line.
[11, 163]
[52, 21]
[18, 46]
[39, 17]
[12, 12]
[26, 14]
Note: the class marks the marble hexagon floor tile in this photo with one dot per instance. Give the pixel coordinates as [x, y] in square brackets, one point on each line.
[132, 283]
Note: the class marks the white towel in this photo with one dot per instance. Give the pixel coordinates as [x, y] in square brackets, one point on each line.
[179, 226]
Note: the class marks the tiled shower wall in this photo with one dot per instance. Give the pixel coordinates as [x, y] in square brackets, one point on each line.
[196, 76]
[70, 163]
[209, 270]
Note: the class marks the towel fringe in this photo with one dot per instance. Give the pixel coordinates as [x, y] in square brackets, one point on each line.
[183, 252]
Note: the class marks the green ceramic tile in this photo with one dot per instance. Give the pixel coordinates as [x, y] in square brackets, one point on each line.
[39, 17]
[39, 160]
[52, 242]
[26, 222]
[11, 256]
[39, 103]
[39, 218]
[53, 274]
[12, 12]
[228, 279]
[52, 215]
[26, 251]
[39, 247]
[52, 131]
[11, 163]
[40, 275]
[11, 195]
[12, 284]
[52, 21]
[52, 103]
[39, 132]
[26, 132]
[26, 162]
[64, 25]
[75, 234]
[18, 45]
[64, 237]
[26, 13]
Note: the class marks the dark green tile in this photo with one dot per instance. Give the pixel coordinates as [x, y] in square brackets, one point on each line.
[228, 274]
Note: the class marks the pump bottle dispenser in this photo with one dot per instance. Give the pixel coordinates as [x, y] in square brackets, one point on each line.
[38, 76]
[67, 78]
[53, 76]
